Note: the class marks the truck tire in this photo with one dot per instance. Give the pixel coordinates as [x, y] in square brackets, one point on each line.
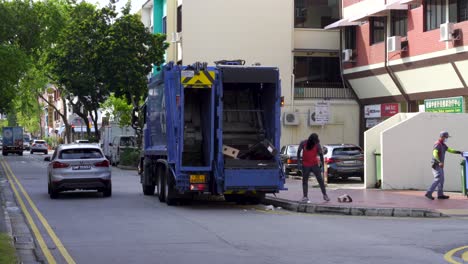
[169, 190]
[20, 153]
[147, 189]
[5, 153]
[161, 171]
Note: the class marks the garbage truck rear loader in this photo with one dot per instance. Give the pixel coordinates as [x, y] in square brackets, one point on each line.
[193, 114]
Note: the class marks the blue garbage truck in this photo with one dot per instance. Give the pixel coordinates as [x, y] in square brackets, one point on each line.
[212, 130]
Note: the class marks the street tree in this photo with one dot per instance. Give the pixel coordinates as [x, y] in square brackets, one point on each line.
[134, 53]
[78, 62]
[118, 109]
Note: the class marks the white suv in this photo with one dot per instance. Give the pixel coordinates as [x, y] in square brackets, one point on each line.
[39, 146]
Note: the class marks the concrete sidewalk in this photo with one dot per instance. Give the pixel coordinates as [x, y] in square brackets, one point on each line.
[369, 202]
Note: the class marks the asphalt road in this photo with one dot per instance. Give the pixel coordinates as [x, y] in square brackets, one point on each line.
[131, 228]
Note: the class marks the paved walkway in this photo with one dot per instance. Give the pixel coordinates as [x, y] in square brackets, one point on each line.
[457, 205]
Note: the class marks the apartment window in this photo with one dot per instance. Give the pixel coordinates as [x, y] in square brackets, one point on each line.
[377, 29]
[315, 13]
[179, 19]
[350, 37]
[164, 25]
[399, 23]
[462, 6]
[435, 13]
[322, 72]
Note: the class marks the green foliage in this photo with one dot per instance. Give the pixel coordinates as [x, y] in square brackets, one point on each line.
[53, 142]
[118, 109]
[7, 251]
[130, 157]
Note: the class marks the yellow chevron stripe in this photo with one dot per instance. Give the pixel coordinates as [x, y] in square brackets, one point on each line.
[202, 79]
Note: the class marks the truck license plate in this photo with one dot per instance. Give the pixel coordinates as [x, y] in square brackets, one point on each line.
[197, 178]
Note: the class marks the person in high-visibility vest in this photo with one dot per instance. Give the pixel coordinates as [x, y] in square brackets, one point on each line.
[438, 159]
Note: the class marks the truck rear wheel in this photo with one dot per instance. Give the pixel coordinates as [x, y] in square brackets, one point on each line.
[147, 189]
[169, 191]
[161, 183]
[5, 153]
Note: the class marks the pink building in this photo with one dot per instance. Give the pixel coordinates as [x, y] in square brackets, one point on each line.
[405, 51]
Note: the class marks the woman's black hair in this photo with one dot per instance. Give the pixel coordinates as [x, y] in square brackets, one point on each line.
[312, 140]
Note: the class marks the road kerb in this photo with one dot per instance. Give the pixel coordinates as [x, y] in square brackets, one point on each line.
[350, 210]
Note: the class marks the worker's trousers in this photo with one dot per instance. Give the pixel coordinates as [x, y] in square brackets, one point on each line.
[438, 181]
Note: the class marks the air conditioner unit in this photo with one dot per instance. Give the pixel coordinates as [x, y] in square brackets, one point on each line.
[291, 119]
[347, 55]
[393, 43]
[446, 32]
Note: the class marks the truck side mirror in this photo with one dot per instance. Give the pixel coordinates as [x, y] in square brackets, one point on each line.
[47, 159]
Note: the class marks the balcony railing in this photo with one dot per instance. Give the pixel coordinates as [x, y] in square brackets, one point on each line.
[323, 90]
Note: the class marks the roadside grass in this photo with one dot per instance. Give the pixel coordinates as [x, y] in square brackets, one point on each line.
[7, 251]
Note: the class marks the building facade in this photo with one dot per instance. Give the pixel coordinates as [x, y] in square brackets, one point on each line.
[285, 34]
[407, 52]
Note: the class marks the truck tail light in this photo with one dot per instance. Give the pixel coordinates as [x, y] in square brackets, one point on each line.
[198, 187]
[292, 161]
[59, 165]
[104, 163]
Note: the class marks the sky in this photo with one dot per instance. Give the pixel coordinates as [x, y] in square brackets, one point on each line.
[136, 4]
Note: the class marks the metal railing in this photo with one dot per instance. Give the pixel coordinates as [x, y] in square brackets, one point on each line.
[323, 90]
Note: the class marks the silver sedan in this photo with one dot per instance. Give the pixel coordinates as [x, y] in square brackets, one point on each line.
[78, 167]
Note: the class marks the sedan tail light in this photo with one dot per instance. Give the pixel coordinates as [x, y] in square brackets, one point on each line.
[59, 165]
[330, 160]
[104, 163]
[292, 161]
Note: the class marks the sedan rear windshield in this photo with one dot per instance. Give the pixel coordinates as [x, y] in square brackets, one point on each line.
[347, 151]
[40, 142]
[81, 153]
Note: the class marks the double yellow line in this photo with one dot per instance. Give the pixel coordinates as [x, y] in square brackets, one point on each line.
[40, 239]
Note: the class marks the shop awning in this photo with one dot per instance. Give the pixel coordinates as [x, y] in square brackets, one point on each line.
[342, 23]
[381, 10]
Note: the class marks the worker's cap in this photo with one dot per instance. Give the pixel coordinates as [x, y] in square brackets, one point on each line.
[444, 134]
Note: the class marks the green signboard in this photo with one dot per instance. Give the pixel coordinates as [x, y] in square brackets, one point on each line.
[444, 105]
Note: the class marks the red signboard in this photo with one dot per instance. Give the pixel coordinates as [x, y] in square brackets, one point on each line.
[389, 109]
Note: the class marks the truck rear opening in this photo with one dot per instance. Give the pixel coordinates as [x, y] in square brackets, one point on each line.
[198, 127]
[250, 124]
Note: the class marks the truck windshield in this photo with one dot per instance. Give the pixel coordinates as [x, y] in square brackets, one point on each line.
[127, 141]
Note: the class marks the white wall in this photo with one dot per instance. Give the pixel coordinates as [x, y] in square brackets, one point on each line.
[309, 39]
[407, 151]
[343, 127]
[255, 31]
[372, 144]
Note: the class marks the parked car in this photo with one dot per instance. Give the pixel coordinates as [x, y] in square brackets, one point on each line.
[288, 155]
[344, 160]
[78, 167]
[39, 146]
